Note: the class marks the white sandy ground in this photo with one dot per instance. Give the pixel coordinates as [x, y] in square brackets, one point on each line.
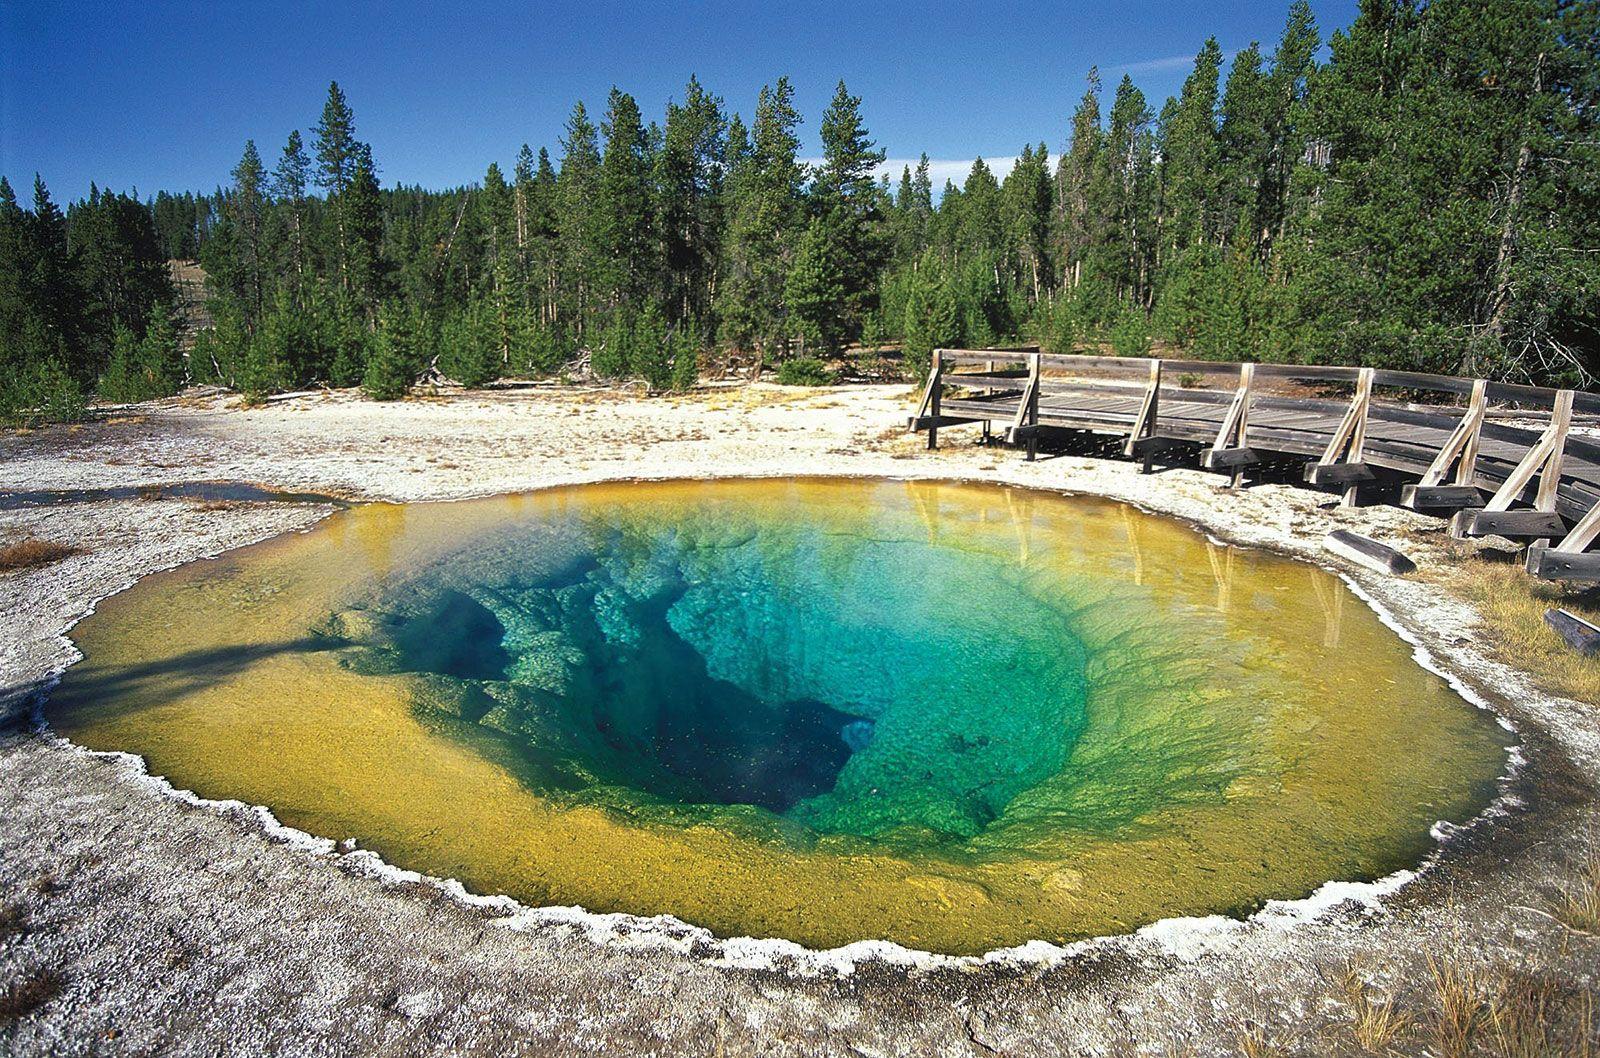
[189, 928]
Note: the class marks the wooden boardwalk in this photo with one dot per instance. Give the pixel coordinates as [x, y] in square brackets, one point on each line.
[1500, 459]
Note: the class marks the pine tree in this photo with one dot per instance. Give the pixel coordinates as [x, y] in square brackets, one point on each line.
[1077, 224]
[1243, 149]
[338, 155]
[1026, 200]
[578, 216]
[1189, 155]
[1131, 226]
[844, 247]
[395, 360]
[689, 177]
[932, 317]
[289, 182]
[817, 288]
[359, 210]
[765, 224]
[625, 233]
[247, 204]
[497, 211]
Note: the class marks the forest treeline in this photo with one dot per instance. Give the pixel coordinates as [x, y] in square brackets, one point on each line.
[1424, 194]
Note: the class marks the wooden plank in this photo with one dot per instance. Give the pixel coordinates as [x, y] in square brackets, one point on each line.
[1509, 524]
[1012, 384]
[1549, 563]
[1440, 497]
[1132, 364]
[984, 356]
[1229, 458]
[1579, 634]
[1419, 380]
[926, 422]
[1367, 552]
[1338, 473]
[1145, 447]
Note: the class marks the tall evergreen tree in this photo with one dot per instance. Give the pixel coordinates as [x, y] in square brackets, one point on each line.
[579, 218]
[625, 224]
[764, 227]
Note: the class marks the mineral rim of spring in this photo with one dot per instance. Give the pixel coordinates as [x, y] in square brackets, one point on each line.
[956, 717]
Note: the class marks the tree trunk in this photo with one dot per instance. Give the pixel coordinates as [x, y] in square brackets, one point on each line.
[1500, 301]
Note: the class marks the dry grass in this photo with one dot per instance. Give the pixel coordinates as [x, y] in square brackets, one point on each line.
[1255, 1043]
[1458, 1010]
[31, 552]
[1513, 604]
[24, 996]
[1578, 906]
[1378, 1025]
[1525, 1020]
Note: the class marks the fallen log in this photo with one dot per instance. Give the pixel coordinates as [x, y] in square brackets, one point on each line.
[1364, 551]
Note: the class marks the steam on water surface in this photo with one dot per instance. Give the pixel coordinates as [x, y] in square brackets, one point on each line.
[957, 717]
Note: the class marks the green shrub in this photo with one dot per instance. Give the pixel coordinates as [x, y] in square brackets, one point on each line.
[42, 393]
[393, 364]
[804, 371]
[467, 348]
[685, 359]
[144, 368]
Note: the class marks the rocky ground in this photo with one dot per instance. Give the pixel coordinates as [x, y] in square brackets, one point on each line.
[135, 921]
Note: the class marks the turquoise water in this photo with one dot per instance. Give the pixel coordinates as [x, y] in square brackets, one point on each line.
[843, 682]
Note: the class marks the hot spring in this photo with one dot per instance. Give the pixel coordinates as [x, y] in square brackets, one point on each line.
[956, 717]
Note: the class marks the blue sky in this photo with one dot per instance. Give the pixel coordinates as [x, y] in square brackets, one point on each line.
[163, 95]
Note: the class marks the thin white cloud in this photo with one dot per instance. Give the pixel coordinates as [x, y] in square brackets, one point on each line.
[1170, 64]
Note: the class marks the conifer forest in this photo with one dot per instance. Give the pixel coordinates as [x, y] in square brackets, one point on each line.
[1419, 190]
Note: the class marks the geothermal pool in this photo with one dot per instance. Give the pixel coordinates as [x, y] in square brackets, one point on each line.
[956, 717]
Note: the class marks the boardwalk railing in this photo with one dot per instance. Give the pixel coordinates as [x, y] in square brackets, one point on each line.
[1500, 458]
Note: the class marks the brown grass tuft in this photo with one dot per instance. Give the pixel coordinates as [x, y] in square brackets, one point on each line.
[1377, 1024]
[1512, 605]
[13, 920]
[27, 994]
[31, 552]
[1254, 1042]
[1578, 906]
[1458, 1008]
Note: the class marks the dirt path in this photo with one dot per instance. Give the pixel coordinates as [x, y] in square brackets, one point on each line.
[146, 923]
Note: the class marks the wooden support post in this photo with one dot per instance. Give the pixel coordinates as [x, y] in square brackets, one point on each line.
[1232, 446]
[1461, 451]
[1341, 461]
[1144, 427]
[1550, 477]
[935, 384]
[1543, 461]
[1570, 560]
[1028, 409]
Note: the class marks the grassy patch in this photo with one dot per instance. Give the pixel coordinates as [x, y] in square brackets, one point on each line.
[1377, 1024]
[1512, 604]
[1458, 1008]
[27, 994]
[1578, 906]
[31, 552]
